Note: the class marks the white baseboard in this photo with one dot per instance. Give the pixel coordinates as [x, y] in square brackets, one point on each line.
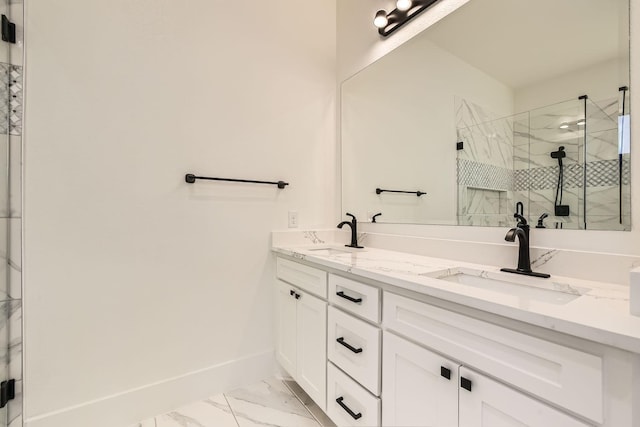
[129, 407]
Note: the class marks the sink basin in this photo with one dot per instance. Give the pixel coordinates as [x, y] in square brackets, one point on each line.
[524, 288]
[330, 251]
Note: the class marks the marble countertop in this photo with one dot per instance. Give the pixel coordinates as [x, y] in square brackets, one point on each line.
[591, 310]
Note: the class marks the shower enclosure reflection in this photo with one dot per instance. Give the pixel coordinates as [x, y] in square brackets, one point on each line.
[568, 161]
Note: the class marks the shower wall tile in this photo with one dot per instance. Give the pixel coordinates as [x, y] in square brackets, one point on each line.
[15, 339]
[16, 11]
[603, 201]
[602, 145]
[605, 222]
[542, 201]
[481, 201]
[599, 120]
[14, 261]
[468, 114]
[14, 408]
[486, 220]
[15, 177]
[610, 107]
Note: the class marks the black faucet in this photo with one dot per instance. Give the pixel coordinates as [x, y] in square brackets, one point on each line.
[354, 231]
[541, 220]
[521, 231]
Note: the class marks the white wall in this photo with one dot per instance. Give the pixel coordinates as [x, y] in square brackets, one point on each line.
[400, 122]
[359, 46]
[600, 81]
[134, 277]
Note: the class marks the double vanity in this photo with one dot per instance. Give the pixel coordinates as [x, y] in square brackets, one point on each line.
[377, 337]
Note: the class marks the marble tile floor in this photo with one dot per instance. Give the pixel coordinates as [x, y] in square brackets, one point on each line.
[270, 402]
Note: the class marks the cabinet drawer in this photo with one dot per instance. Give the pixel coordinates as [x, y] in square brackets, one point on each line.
[308, 278]
[348, 404]
[354, 346]
[360, 299]
[559, 374]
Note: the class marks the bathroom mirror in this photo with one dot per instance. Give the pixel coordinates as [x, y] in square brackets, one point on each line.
[502, 102]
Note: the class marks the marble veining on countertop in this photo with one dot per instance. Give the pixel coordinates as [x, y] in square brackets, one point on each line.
[595, 311]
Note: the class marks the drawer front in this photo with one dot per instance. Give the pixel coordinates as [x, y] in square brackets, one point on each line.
[568, 377]
[348, 404]
[354, 346]
[308, 278]
[360, 299]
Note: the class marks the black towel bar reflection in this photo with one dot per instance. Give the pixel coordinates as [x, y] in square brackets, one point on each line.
[190, 178]
[417, 193]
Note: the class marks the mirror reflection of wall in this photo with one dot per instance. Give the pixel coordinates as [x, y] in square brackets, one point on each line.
[503, 77]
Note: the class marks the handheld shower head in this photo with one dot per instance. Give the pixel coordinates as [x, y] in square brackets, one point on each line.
[560, 154]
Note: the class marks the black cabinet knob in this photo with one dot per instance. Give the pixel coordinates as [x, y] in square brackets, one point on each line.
[298, 296]
[292, 292]
[465, 383]
[444, 372]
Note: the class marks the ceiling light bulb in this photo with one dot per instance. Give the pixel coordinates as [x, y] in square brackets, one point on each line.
[564, 126]
[582, 122]
[381, 19]
[404, 5]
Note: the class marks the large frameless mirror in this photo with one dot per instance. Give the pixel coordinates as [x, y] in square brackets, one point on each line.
[502, 105]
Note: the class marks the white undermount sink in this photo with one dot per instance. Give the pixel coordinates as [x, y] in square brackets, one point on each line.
[332, 250]
[523, 287]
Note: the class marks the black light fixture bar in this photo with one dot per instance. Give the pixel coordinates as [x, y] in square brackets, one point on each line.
[417, 193]
[190, 178]
[397, 18]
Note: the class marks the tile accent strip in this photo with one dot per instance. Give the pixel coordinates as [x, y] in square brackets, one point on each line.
[11, 88]
[601, 173]
[481, 175]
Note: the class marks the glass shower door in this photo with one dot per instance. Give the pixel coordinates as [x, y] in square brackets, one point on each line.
[6, 303]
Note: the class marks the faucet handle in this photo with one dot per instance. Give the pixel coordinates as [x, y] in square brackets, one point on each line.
[521, 219]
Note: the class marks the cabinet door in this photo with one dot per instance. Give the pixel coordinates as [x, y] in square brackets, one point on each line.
[311, 335]
[492, 404]
[286, 327]
[415, 387]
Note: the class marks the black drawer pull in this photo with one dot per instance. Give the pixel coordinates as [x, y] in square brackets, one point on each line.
[444, 372]
[355, 350]
[465, 383]
[346, 408]
[347, 297]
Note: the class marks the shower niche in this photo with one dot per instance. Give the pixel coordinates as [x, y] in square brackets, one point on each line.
[567, 163]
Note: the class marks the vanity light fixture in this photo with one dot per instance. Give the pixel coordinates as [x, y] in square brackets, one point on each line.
[404, 5]
[564, 125]
[405, 10]
[381, 20]
[581, 122]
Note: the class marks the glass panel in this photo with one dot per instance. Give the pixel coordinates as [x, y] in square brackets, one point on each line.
[556, 171]
[6, 305]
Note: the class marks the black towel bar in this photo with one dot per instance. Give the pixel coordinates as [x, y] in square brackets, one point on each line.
[190, 178]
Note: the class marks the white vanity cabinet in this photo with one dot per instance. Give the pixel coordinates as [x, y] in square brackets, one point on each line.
[385, 359]
[301, 329]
